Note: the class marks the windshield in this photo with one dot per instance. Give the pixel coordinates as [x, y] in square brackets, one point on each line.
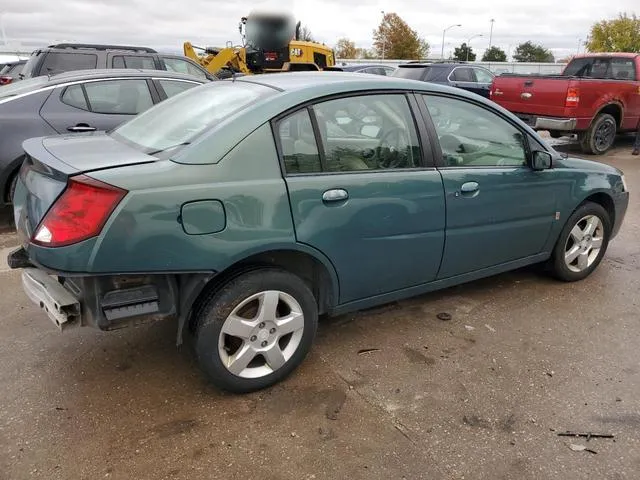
[180, 119]
[413, 73]
[24, 86]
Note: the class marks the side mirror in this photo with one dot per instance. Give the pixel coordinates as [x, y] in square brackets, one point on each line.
[371, 131]
[541, 160]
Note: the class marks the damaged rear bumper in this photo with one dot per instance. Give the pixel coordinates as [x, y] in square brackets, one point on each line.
[60, 305]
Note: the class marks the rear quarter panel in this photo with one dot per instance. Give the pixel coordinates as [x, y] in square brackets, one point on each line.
[595, 94]
[144, 233]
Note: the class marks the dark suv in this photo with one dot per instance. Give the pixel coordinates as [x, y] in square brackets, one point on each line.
[468, 77]
[66, 57]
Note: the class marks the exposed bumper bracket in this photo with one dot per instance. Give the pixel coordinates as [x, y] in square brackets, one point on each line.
[61, 306]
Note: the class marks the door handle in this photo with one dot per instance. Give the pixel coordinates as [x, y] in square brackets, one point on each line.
[470, 189]
[335, 195]
[81, 127]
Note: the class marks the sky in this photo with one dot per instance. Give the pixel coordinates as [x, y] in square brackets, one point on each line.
[560, 26]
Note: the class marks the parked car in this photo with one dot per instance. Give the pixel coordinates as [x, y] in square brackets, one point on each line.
[78, 101]
[65, 57]
[242, 210]
[595, 97]
[374, 69]
[465, 76]
[11, 71]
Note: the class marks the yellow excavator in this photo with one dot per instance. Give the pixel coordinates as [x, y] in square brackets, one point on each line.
[270, 43]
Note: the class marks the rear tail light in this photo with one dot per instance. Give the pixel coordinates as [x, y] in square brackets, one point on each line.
[5, 80]
[79, 213]
[573, 97]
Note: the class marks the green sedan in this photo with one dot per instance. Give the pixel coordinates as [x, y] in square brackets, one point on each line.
[244, 209]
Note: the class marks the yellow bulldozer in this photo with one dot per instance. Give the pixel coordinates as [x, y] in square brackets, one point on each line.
[270, 43]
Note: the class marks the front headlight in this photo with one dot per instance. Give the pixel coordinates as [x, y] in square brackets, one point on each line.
[624, 184]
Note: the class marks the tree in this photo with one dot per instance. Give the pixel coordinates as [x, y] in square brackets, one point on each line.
[463, 53]
[494, 54]
[305, 34]
[530, 52]
[365, 53]
[619, 35]
[345, 48]
[395, 39]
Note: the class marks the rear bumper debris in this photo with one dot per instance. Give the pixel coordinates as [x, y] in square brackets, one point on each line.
[59, 304]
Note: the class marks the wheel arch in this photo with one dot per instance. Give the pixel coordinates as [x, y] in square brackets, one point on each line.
[615, 109]
[605, 200]
[308, 264]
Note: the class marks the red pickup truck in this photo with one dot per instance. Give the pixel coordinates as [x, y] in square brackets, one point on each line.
[596, 96]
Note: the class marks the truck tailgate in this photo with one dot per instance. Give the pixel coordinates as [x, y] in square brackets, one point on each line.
[531, 94]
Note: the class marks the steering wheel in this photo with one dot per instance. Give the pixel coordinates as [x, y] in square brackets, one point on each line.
[394, 158]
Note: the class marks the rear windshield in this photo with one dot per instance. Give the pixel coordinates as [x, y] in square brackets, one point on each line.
[180, 119]
[24, 86]
[413, 73]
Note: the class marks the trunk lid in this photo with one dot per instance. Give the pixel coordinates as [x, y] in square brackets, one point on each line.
[531, 94]
[48, 164]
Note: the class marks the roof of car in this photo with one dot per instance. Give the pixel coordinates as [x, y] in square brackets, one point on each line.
[76, 75]
[329, 81]
[607, 54]
[358, 66]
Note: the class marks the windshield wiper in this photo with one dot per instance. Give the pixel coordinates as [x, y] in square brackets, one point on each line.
[155, 152]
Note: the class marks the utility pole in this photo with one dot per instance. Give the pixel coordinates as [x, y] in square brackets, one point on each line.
[579, 45]
[469, 43]
[491, 32]
[443, 33]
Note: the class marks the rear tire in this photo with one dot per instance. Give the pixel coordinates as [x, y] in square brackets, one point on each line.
[255, 330]
[581, 244]
[600, 136]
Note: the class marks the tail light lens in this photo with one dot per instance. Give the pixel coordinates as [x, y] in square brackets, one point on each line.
[573, 97]
[79, 213]
[4, 80]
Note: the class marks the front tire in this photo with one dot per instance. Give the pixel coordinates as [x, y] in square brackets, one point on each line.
[581, 244]
[255, 330]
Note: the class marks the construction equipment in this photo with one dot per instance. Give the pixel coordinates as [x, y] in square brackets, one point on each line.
[270, 43]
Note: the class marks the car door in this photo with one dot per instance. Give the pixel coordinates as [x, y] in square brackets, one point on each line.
[366, 200]
[465, 78]
[96, 105]
[499, 210]
[484, 79]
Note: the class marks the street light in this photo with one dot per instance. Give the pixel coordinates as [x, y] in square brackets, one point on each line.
[382, 33]
[491, 33]
[469, 43]
[445, 31]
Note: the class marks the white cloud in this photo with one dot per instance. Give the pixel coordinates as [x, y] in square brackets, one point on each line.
[558, 26]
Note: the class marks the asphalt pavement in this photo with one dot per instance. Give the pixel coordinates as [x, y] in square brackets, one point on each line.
[391, 393]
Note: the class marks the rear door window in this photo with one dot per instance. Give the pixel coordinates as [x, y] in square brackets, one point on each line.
[463, 74]
[181, 65]
[413, 73]
[58, 62]
[483, 76]
[133, 61]
[174, 87]
[124, 97]
[74, 97]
